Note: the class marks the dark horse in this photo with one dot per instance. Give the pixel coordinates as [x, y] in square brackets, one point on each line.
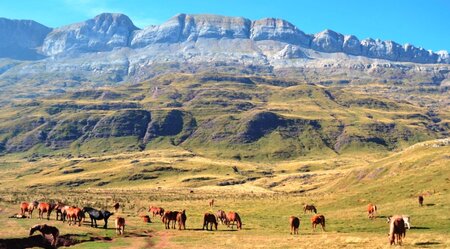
[96, 215]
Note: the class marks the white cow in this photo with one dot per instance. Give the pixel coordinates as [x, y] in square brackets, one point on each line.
[406, 219]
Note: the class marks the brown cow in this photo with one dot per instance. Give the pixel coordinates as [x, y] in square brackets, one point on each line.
[371, 210]
[28, 207]
[421, 200]
[74, 214]
[120, 225]
[233, 217]
[169, 216]
[156, 211]
[222, 216]
[45, 207]
[209, 219]
[181, 219]
[318, 219]
[45, 229]
[295, 224]
[397, 230]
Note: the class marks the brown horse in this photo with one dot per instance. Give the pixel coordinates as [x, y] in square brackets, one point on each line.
[45, 207]
[211, 203]
[295, 224]
[74, 214]
[45, 229]
[181, 219]
[120, 225]
[146, 218]
[233, 217]
[28, 207]
[222, 216]
[318, 219]
[310, 208]
[209, 219]
[421, 200]
[397, 230]
[371, 210]
[156, 211]
[169, 216]
[58, 210]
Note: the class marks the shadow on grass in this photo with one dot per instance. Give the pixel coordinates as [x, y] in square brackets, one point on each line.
[219, 230]
[419, 228]
[45, 242]
[430, 204]
[427, 243]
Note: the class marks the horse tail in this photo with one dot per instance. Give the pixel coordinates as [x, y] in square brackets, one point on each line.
[239, 222]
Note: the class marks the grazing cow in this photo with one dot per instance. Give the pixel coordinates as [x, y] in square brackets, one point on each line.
[95, 215]
[222, 216]
[45, 207]
[421, 200]
[28, 207]
[310, 208]
[211, 203]
[74, 214]
[169, 216]
[116, 207]
[318, 219]
[120, 225]
[295, 224]
[397, 230]
[156, 211]
[371, 210]
[181, 219]
[209, 219]
[45, 229]
[146, 218]
[406, 220]
[233, 217]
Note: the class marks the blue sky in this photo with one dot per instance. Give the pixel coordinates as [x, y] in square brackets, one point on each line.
[424, 23]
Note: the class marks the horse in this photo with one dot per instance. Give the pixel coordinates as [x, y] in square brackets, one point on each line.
[181, 219]
[211, 203]
[28, 207]
[95, 215]
[406, 220]
[46, 229]
[295, 224]
[397, 230]
[63, 211]
[74, 214]
[45, 207]
[169, 216]
[233, 217]
[371, 210]
[116, 207]
[222, 216]
[318, 219]
[156, 211]
[210, 219]
[59, 210]
[310, 208]
[146, 218]
[421, 200]
[120, 225]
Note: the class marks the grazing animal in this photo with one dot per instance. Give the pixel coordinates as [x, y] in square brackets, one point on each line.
[318, 219]
[45, 207]
[233, 217]
[310, 208]
[120, 225]
[222, 216]
[74, 214]
[28, 207]
[168, 217]
[371, 210]
[211, 203]
[406, 220]
[95, 215]
[421, 200]
[181, 219]
[209, 219]
[59, 211]
[295, 224]
[116, 207]
[156, 211]
[46, 229]
[146, 219]
[397, 230]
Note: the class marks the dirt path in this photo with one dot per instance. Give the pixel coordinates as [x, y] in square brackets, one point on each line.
[164, 240]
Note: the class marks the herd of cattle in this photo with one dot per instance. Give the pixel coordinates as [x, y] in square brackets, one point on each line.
[74, 215]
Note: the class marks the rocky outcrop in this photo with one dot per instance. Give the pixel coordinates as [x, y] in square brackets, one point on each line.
[102, 33]
[328, 41]
[278, 30]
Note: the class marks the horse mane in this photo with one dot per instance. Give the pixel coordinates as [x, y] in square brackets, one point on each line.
[34, 229]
